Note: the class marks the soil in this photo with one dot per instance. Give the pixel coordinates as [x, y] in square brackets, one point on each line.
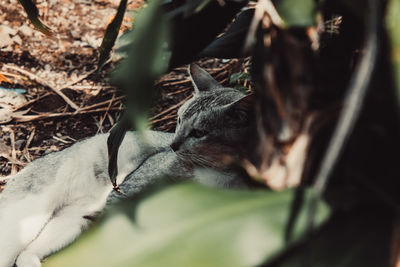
[57, 99]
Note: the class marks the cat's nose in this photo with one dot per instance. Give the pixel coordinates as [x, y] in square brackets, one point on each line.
[175, 146]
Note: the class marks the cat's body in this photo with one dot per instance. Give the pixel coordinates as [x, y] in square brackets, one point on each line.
[67, 186]
[50, 202]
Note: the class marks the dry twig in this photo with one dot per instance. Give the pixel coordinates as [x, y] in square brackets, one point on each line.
[171, 108]
[44, 83]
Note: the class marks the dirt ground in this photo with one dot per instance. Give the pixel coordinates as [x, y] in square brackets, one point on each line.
[50, 96]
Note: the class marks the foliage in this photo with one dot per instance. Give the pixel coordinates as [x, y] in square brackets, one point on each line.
[111, 34]
[297, 76]
[33, 15]
[147, 60]
[238, 79]
[297, 13]
[209, 228]
[393, 22]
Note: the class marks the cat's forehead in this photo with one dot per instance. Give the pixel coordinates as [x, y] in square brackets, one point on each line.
[209, 100]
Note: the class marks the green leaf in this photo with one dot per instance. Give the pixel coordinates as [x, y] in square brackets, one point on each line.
[297, 13]
[147, 60]
[111, 35]
[122, 43]
[33, 15]
[190, 225]
[393, 24]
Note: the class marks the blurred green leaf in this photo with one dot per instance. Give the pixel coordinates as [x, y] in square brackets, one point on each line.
[297, 13]
[111, 35]
[122, 43]
[33, 15]
[190, 225]
[147, 60]
[393, 24]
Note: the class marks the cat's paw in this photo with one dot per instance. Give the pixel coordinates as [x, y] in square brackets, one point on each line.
[28, 259]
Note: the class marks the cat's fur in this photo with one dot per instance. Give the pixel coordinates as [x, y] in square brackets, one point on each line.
[46, 206]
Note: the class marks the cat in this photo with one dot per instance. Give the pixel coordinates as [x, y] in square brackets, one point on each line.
[212, 125]
[53, 199]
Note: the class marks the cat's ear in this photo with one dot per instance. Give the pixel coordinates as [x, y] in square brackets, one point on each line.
[240, 112]
[201, 79]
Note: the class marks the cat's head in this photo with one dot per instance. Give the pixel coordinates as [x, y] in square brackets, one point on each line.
[213, 123]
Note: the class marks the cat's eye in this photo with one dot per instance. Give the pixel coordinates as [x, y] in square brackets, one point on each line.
[197, 133]
[179, 120]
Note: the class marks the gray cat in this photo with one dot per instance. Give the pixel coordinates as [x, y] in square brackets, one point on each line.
[51, 201]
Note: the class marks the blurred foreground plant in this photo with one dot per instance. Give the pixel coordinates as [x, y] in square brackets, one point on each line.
[327, 118]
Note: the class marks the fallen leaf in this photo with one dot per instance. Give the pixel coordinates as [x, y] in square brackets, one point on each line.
[9, 30]
[26, 30]
[4, 149]
[5, 114]
[11, 98]
[16, 39]
[5, 39]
